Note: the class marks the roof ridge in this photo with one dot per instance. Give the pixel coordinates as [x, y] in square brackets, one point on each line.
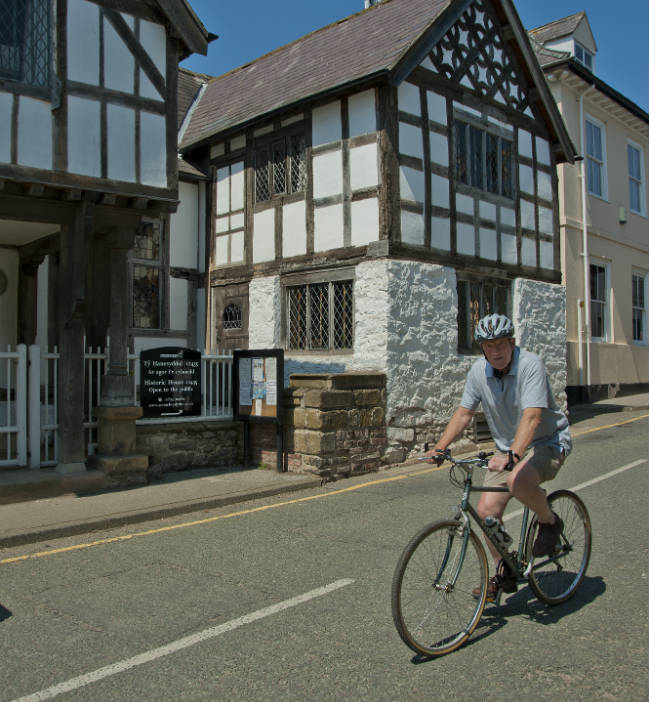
[581, 13]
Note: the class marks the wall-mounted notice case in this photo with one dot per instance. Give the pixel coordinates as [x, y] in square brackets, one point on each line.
[257, 384]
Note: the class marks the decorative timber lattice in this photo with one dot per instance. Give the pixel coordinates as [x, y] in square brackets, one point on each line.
[473, 53]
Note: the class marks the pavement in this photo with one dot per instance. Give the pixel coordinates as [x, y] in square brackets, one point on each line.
[39, 505]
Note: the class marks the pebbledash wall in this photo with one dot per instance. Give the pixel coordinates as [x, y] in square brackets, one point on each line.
[406, 327]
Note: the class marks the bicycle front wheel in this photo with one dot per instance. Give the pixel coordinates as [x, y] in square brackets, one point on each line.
[433, 604]
[556, 577]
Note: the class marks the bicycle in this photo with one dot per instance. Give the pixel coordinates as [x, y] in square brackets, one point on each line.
[435, 601]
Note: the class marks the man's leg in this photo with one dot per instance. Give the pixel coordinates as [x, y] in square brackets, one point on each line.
[493, 503]
[524, 484]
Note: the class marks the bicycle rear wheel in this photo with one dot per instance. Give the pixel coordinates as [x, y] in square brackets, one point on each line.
[555, 578]
[433, 606]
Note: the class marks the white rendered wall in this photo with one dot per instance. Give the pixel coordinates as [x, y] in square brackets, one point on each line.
[120, 127]
[84, 151]
[178, 303]
[294, 229]
[539, 316]
[264, 322]
[183, 241]
[119, 63]
[83, 42]
[405, 325]
[153, 149]
[34, 133]
[153, 39]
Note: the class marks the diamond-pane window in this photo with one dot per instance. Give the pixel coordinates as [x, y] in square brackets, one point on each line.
[146, 276]
[25, 45]
[281, 171]
[279, 167]
[297, 323]
[320, 316]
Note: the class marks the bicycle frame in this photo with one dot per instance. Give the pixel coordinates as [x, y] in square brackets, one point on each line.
[465, 509]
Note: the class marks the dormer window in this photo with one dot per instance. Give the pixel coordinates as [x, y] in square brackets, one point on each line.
[584, 56]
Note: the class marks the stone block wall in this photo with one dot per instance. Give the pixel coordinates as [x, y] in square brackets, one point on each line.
[335, 423]
[182, 445]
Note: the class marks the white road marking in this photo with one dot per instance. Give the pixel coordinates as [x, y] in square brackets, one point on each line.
[180, 644]
[588, 483]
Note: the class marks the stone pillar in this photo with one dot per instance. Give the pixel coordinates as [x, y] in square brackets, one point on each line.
[116, 414]
[116, 436]
[71, 286]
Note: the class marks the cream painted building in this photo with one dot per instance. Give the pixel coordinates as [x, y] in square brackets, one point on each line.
[603, 217]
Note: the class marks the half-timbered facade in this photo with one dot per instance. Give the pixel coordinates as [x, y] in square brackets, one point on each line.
[88, 181]
[376, 186]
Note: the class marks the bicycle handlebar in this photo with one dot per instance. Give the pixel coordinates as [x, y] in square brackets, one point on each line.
[479, 460]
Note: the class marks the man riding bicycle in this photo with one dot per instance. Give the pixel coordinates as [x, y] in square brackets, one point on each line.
[531, 433]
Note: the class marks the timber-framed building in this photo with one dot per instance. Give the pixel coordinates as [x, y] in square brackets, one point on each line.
[88, 172]
[377, 185]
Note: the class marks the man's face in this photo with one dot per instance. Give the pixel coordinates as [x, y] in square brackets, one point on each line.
[499, 352]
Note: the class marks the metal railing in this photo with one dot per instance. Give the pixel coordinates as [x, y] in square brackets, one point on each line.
[29, 386]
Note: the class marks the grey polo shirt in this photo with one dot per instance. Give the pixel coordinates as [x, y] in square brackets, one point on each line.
[504, 399]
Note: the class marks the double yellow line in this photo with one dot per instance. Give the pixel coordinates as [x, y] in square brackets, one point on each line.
[263, 508]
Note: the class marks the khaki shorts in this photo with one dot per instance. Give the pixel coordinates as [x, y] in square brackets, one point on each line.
[546, 460]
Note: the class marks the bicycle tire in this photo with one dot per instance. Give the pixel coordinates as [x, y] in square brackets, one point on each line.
[555, 579]
[432, 614]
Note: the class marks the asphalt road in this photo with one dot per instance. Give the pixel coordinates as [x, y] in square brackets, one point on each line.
[289, 599]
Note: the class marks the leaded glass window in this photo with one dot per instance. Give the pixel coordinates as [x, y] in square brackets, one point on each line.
[146, 265]
[280, 168]
[320, 316]
[25, 44]
[483, 160]
[477, 298]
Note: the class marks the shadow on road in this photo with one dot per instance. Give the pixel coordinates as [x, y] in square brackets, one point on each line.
[4, 613]
[525, 603]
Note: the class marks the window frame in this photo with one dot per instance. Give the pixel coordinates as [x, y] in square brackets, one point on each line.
[472, 168]
[603, 302]
[311, 280]
[264, 153]
[644, 277]
[582, 59]
[639, 179]
[159, 264]
[600, 161]
[465, 325]
[32, 85]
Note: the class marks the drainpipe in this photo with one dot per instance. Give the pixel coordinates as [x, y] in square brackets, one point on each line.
[584, 237]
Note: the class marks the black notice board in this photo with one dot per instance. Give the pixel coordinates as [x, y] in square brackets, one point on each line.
[170, 382]
[257, 387]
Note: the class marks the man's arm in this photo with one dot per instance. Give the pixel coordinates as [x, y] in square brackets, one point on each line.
[457, 424]
[523, 438]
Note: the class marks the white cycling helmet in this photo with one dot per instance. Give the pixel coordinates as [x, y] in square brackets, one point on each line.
[493, 326]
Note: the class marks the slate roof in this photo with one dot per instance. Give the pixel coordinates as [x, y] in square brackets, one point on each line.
[559, 28]
[546, 56]
[366, 44]
[189, 83]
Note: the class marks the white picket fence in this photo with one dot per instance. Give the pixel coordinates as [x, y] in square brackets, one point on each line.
[29, 419]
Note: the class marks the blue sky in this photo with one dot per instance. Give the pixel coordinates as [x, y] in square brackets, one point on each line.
[248, 29]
